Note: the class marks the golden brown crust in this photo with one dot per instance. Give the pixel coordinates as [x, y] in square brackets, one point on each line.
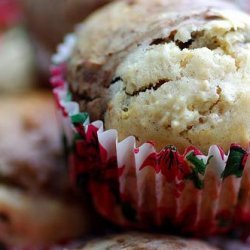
[143, 241]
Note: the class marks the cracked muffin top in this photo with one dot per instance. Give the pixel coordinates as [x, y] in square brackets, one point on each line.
[172, 72]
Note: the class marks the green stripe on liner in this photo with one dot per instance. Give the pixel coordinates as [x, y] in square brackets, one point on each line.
[234, 163]
[79, 118]
[199, 165]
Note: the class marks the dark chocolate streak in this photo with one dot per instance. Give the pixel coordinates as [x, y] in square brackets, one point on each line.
[185, 45]
[163, 40]
[153, 86]
[117, 79]
[178, 43]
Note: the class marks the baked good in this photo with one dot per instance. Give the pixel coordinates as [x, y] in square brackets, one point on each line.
[165, 85]
[37, 205]
[144, 241]
[168, 72]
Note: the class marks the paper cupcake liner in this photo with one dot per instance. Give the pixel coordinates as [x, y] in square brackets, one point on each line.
[140, 187]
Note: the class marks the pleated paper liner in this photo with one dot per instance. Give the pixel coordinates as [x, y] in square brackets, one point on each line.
[140, 187]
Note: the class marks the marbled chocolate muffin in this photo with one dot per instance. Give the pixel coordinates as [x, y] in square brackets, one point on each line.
[166, 71]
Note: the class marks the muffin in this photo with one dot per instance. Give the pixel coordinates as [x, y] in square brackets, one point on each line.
[37, 205]
[166, 91]
[145, 241]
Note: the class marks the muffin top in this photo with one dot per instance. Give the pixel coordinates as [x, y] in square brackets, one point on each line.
[168, 72]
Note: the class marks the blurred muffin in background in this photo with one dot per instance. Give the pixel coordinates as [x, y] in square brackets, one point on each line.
[37, 205]
[17, 71]
[145, 241]
[49, 20]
